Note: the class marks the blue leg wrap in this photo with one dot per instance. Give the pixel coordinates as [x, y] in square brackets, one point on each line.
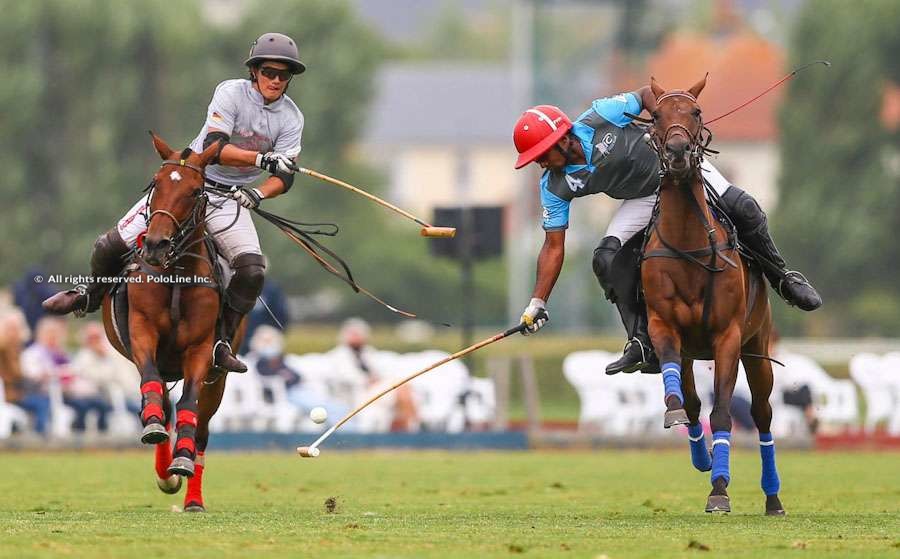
[671, 373]
[720, 456]
[699, 453]
[770, 482]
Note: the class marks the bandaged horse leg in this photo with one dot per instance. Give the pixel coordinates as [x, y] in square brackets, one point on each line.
[195, 364]
[700, 455]
[210, 396]
[753, 232]
[759, 377]
[667, 341]
[240, 297]
[106, 261]
[166, 482]
[726, 354]
[622, 290]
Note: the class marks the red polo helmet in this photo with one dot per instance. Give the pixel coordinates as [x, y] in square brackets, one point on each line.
[537, 130]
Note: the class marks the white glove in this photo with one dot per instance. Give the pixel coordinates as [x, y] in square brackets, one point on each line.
[275, 162]
[535, 316]
[247, 197]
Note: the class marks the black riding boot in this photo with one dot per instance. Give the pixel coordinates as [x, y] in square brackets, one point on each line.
[244, 288]
[623, 292]
[106, 261]
[753, 232]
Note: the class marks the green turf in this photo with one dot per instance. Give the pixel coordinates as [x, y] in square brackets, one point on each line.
[535, 504]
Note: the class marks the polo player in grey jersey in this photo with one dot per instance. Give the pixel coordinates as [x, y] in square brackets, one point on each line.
[259, 127]
[603, 151]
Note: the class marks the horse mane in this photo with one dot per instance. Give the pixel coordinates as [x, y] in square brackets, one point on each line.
[185, 153]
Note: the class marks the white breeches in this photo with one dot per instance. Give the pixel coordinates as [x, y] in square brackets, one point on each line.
[633, 215]
[231, 241]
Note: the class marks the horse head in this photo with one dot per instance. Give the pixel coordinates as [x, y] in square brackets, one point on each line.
[177, 204]
[677, 133]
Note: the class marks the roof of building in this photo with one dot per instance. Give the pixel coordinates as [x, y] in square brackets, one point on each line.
[452, 103]
[740, 66]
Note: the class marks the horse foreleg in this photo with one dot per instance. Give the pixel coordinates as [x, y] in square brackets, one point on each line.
[667, 343]
[195, 363]
[144, 339]
[700, 455]
[210, 397]
[759, 377]
[167, 483]
[726, 349]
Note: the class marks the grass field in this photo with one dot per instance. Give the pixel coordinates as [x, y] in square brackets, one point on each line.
[529, 504]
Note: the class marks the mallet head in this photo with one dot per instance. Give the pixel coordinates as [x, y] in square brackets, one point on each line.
[441, 232]
[307, 451]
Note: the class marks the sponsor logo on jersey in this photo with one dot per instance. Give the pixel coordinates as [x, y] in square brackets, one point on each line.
[546, 213]
[605, 147]
[217, 117]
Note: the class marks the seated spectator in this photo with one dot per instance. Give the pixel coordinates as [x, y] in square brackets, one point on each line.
[356, 374]
[794, 390]
[267, 348]
[46, 362]
[98, 362]
[14, 333]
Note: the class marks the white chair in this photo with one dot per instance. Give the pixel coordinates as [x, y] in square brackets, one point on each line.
[478, 408]
[280, 413]
[10, 415]
[890, 376]
[121, 421]
[61, 415]
[870, 373]
[603, 406]
[439, 391]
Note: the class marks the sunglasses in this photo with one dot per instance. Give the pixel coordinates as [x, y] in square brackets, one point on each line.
[272, 73]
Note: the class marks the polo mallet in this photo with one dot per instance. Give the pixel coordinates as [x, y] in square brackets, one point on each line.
[312, 450]
[428, 230]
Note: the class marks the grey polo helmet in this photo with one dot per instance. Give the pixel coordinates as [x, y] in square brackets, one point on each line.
[275, 46]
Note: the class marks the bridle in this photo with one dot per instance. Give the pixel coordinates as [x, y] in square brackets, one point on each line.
[698, 142]
[180, 240]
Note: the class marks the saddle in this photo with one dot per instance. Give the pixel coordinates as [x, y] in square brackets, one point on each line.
[119, 297]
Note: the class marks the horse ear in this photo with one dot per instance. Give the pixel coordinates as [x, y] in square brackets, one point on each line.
[207, 155]
[698, 87]
[162, 148]
[656, 88]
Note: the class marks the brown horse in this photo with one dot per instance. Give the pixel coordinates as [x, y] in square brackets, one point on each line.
[704, 301]
[173, 307]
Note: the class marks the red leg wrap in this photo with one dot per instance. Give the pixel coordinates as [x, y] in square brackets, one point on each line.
[194, 494]
[185, 443]
[152, 410]
[163, 459]
[186, 417]
[152, 386]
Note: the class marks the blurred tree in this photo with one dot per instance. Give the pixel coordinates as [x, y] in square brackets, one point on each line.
[839, 208]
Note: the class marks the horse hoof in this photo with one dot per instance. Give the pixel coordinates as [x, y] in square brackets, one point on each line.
[182, 466]
[154, 433]
[170, 485]
[718, 503]
[675, 417]
[774, 506]
[194, 507]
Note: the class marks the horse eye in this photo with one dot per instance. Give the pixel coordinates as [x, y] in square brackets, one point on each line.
[696, 112]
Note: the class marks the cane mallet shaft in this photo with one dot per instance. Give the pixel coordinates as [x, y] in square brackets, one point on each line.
[428, 230]
[312, 450]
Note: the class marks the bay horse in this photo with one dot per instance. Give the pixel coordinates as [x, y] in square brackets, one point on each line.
[704, 300]
[172, 311]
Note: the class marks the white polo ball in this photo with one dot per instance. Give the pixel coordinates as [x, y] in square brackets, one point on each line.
[318, 415]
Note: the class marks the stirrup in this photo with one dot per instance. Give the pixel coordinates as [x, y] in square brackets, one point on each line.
[640, 344]
[216, 346]
[82, 289]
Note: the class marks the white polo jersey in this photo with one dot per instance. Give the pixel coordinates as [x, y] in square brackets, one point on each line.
[238, 110]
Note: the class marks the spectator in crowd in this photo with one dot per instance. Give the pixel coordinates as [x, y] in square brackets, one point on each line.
[98, 361]
[13, 335]
[357, 375]
[267, 354]
[795, 391]
[45, 362]
[28, 295]
[274, 299]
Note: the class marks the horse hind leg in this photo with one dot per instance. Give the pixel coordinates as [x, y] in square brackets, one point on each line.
[701, 457]
[167, 483]
[210, 397]
[759, 377]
